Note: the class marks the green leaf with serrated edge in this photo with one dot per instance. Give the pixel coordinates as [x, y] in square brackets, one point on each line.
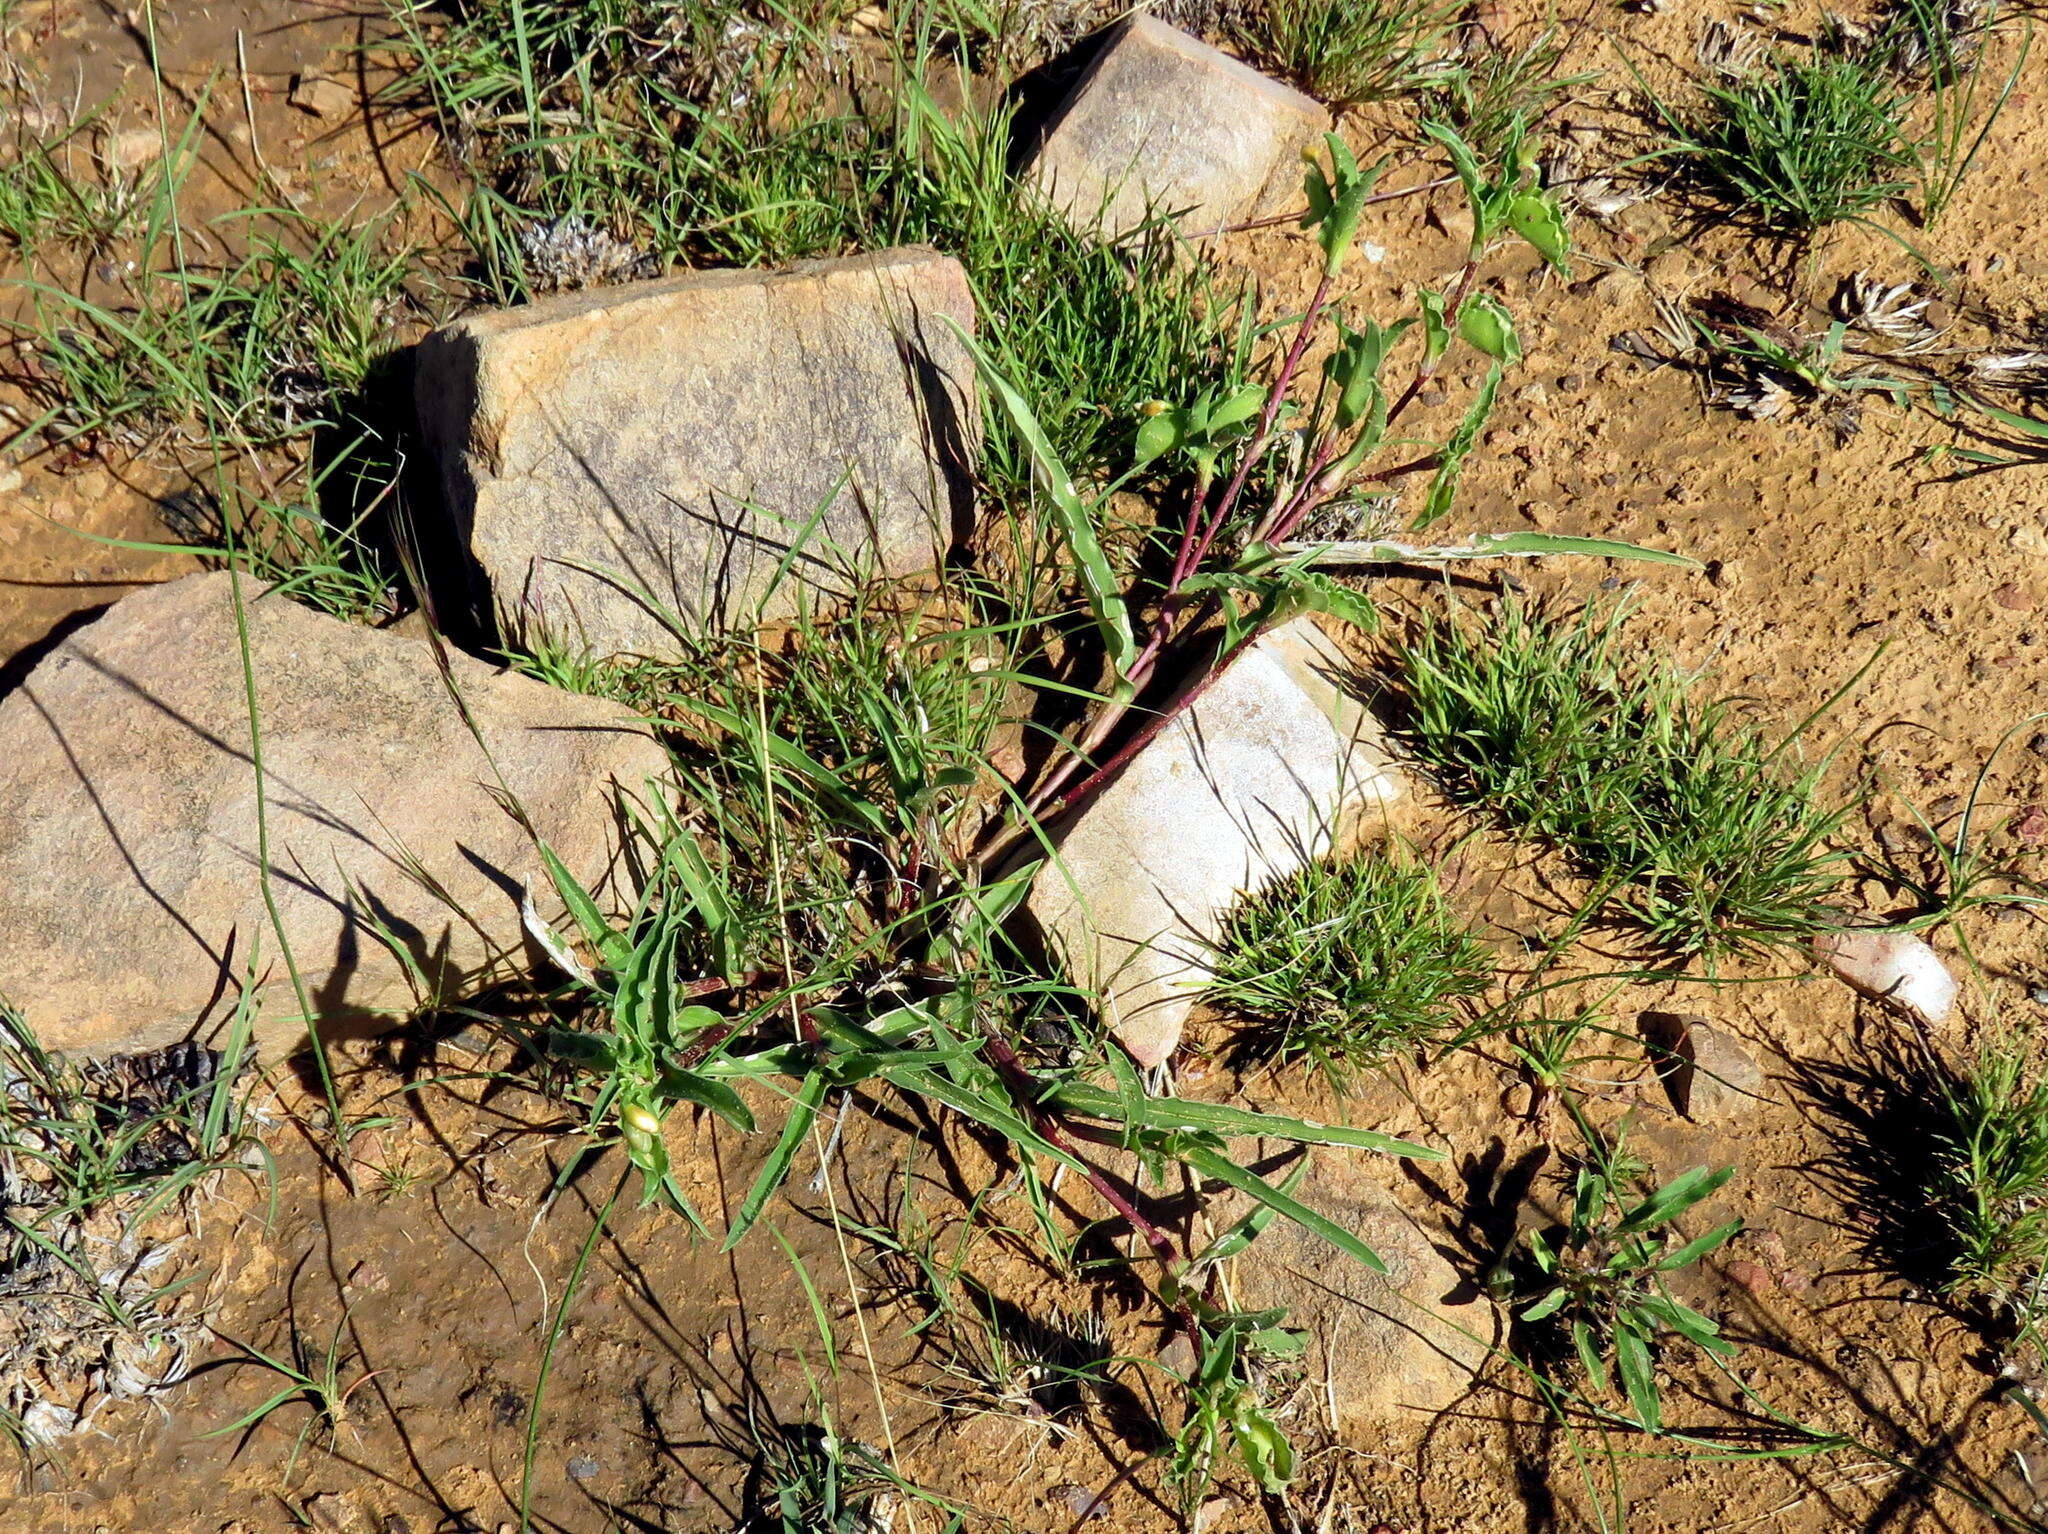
[1535, 217]
[803, 1112]
[1277, 1341]
[1673, 1199]
[1214, 1164]
[1549, 1305]
[1436, 325]
[1098, 576]
[1219, 1118]
[1443, 489]
[1487, 326]
[1699, 1246]
[1638, 1375]
[1263, 1447]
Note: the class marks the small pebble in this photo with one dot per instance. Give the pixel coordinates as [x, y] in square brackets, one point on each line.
[2013, 597]
[1891, 966]
[1753, 1276]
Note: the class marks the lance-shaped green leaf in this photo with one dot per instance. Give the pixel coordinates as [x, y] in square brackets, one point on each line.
[1098, 577]
[1377, 551]
[1443, 489]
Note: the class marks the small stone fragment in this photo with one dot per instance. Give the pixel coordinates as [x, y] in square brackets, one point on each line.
[133, 148]
[322, 96]
[615, 455]
[1161, 123]
[1244, 787]
[1710, 1076]
[1891, 966]
[1752, 1276]
[2031, 825]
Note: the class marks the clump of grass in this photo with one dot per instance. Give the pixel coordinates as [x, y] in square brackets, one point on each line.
[1799, 142]
[47, 201]
[1352, 51]
[1993, 1181]
[1348, 962]
[1710, 840]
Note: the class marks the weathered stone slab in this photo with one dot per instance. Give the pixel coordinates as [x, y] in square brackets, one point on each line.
[1244, 787]
[1405, 1345]
[664, 445]
[128, 819]
[1160, 123]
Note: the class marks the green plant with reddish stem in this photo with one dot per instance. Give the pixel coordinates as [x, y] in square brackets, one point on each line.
[1268, 466]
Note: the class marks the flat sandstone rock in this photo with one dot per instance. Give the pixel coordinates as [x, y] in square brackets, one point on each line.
[664, 445]
[1162, 123]
[128, 825]
[1246, 786]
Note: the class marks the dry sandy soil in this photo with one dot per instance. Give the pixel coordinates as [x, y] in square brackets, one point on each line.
[440, 1281]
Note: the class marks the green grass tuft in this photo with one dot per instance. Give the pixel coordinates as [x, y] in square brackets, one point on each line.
[1352, 51]
[1993, 1180]
[1709, 838]
[1348, 962]
[1800, 143]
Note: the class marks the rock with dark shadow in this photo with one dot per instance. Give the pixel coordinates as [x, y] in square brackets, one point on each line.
[695, 450]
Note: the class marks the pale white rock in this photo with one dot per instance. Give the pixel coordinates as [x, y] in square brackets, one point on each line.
[1246, 786]
[1892, 966]
[1161, 123]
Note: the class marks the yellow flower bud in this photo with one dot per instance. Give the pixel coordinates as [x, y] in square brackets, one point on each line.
[637, 1117]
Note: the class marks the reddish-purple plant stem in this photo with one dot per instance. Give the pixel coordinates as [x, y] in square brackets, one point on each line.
[1197, 538]
[1024, 1089]
[1427, 371]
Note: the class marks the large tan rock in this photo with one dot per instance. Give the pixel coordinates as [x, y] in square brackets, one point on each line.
[1246, 786]
[1162, 123]
[128, 826]
[664, 445]
[1397, 1347]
